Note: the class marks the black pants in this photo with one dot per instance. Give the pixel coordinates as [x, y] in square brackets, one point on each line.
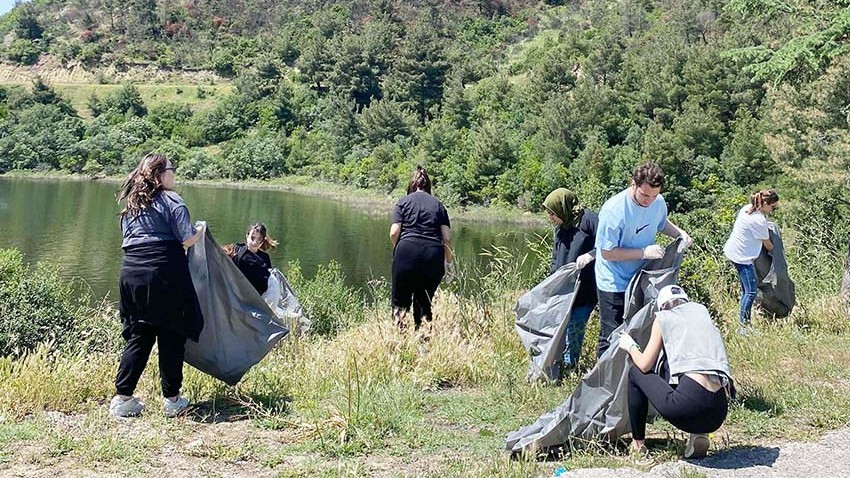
[418, 268]
[688, 407]
[172, 348]
[611, 309]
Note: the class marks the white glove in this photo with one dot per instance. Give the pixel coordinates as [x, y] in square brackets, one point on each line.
[687, 240]
[584, 260]
[627, 342]
[201, 226]
[450, 275]
[653, 252]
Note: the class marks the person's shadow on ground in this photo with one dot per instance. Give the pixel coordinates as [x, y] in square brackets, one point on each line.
[740, 457]
[231, 408]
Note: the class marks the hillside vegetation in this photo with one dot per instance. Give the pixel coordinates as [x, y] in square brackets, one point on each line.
[502, 100]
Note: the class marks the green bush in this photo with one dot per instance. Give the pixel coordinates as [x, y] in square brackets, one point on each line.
[257, 156]
[23, 51]
[331, 305]
[37, 305]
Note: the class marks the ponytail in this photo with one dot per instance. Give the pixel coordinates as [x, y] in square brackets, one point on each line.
[268, 244]
[762, 198]
[419, 181]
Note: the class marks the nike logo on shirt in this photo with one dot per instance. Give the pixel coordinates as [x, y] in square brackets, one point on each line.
[637, 231]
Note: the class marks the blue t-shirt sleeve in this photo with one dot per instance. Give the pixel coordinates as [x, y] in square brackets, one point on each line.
[181, 224]
[608, 232]
[662, 211]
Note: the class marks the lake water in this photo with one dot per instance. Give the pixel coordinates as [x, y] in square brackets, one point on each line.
[75, 224]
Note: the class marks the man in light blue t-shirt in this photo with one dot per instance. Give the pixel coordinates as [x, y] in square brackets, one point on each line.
[628, 224]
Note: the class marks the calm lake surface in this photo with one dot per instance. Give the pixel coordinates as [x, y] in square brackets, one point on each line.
[75, 224]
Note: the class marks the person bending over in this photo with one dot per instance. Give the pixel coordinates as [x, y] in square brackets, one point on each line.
[749, 234]
[694, 398]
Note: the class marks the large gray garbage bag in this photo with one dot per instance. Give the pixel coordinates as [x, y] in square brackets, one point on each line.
[598, 407]
[542, 315]
[239, 328]
[776, 291]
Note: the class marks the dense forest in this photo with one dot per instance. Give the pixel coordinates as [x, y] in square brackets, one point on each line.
[503, 100]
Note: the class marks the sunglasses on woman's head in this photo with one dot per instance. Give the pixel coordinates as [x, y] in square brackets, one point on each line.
[171, 168]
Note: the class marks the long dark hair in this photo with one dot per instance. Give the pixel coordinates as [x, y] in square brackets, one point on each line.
[419, 180]
[268, 244]
[142, 184]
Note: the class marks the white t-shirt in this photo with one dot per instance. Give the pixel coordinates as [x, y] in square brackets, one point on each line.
[745, 242]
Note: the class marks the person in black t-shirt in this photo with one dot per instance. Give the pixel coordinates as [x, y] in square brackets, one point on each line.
[250, 257]
[422, 250]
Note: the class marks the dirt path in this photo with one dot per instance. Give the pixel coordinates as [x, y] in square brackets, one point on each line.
[827, 458]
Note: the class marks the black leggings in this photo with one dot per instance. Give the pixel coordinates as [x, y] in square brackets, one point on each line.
[417, 271]
[172, 348]
[688, 407]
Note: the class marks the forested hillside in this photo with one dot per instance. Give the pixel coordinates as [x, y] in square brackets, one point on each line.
[502, 99]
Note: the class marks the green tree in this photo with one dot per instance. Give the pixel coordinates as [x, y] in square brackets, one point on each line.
[417, 76]
[383, 121]
[746, 161]
[126, 101]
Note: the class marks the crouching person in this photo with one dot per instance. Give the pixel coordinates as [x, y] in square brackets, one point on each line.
[694, 399]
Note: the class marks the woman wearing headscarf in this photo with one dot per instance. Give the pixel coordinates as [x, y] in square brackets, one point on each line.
[573, 241]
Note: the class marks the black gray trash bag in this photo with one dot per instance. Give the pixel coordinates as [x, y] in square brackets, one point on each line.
[542, 315]
[281, 299]
[239, 328]
[776, 292]
[598, 407]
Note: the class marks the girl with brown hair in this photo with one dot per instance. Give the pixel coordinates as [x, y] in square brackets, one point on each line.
[157, 299]
[749, 234]
[251, 257]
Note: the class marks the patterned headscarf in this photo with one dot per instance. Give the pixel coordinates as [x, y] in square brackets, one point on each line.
[564, 204]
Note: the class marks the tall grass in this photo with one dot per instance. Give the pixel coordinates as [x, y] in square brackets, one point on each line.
[358, 388]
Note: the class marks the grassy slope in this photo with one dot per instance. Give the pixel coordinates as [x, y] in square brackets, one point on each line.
[153, 94]
[372, 403]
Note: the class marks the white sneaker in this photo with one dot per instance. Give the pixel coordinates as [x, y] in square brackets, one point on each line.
[131, 407]
[697, 446]
[172, 409]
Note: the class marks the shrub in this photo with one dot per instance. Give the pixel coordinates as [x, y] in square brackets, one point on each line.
[331, 305]
[37, 306]
[169, 118]
[23, 51]
[259, 156]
